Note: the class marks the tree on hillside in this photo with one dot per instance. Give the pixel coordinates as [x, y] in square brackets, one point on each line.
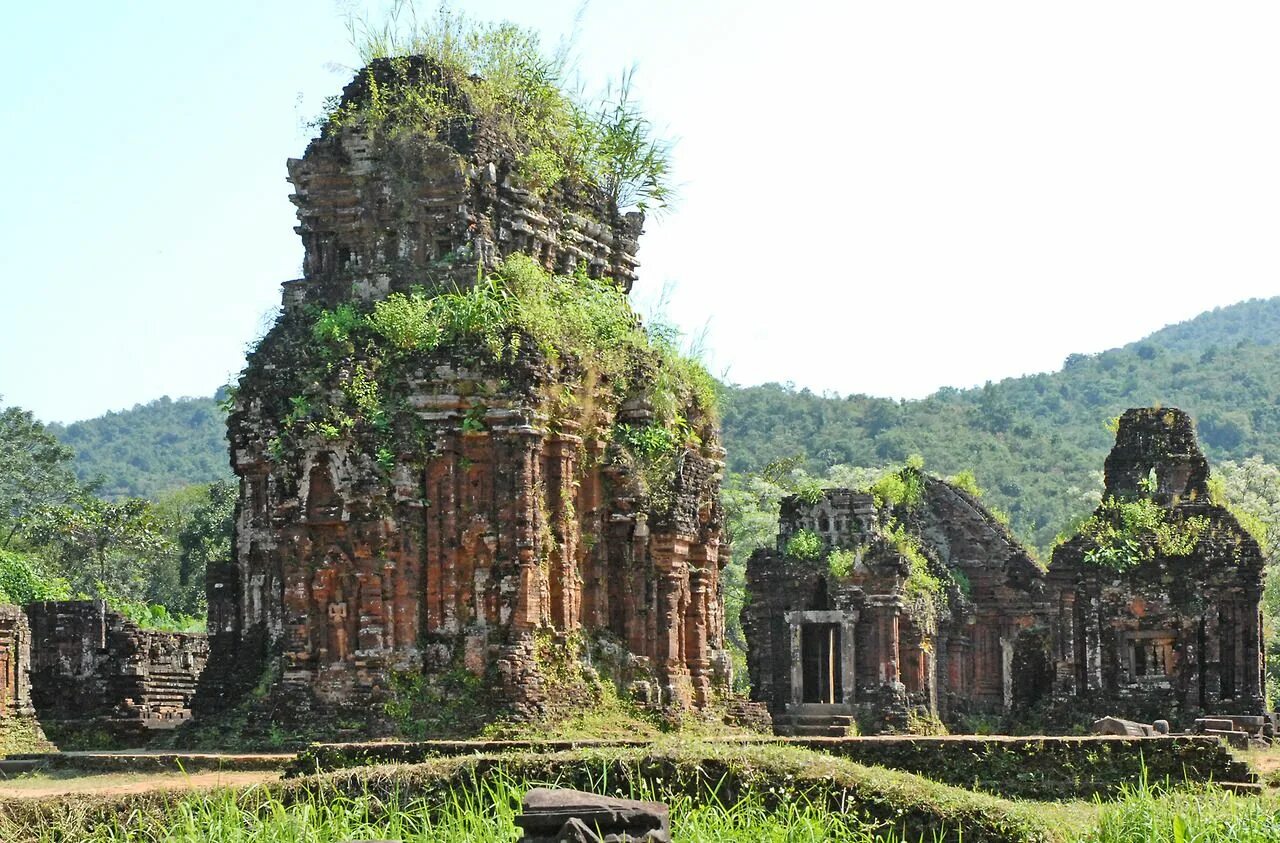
[99, 544]
[35, 471]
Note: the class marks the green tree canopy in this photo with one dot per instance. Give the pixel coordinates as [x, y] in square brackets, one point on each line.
[35, 471]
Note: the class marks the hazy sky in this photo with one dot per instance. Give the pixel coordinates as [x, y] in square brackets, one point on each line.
[878, 197]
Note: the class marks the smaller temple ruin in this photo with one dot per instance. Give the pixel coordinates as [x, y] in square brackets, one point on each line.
[887, 610]
[1159, 594]
[95, 672]
[910, 600]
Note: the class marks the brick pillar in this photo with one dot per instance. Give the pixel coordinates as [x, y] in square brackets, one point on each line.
[1212, 656]
[564, 587]
[797, 668]
[1065, 657]
[637, 605]
[531, 609]
[1249, 666]
[696, 622]
[592, 549]
[671, 564]
[849, 658]
[884, 611]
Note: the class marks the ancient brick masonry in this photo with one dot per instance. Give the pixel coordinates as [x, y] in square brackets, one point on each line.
[1168, 632]
[376, 218]
[15, 663]
[864, 643]
[93, 669]
[1155, 621]
[497, 521]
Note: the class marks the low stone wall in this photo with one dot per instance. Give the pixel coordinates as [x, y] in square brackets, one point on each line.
[154, 762]
[97, 677]
[1030, 767]
[1045, 767]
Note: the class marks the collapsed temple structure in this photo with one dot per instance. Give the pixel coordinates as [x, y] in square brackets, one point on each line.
[93, 672]
[926, 606]
[486, 507]
[914, 605]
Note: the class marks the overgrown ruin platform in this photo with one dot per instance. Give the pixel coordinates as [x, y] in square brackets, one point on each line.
[1032, 767]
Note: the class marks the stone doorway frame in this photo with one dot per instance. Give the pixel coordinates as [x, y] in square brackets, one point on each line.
[847, 622]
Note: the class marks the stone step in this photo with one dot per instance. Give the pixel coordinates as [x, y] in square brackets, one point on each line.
[790, 731]
[809, 709]
[1242, 788]
[1248, 722]
[1234, 739]
[843, 720]
[1223, 724]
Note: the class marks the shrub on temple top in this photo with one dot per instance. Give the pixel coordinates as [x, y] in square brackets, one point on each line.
[1126, 533]
[497, 75]
[806, 545]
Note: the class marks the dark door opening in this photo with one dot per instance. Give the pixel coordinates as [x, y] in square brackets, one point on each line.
[820, 663]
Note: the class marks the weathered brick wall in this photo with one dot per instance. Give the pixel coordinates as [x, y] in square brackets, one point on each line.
[93, 669]
[15, 663]
[379, 216]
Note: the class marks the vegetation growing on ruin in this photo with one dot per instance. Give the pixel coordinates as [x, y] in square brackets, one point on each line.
[583, 329]
[896, 490]
[1125, 533]
[921, 581]
[806, 545]
[901, 488]
[498, 77]
[840, 562]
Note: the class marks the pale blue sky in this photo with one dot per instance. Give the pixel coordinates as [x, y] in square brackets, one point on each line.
[877, 197]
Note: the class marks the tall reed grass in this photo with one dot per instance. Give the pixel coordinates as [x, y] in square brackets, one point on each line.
[483, 813]
[1205, 815]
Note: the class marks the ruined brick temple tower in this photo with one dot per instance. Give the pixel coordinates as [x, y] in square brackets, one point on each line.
[1163, 615]
[486, 508]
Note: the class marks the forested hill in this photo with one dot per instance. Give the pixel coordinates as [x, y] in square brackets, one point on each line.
[1035, 443]
[1255, 320]
[152, 449]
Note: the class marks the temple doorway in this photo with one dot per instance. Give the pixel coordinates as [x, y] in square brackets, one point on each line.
[820, 658]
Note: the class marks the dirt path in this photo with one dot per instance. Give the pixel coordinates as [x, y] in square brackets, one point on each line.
[38, 785]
